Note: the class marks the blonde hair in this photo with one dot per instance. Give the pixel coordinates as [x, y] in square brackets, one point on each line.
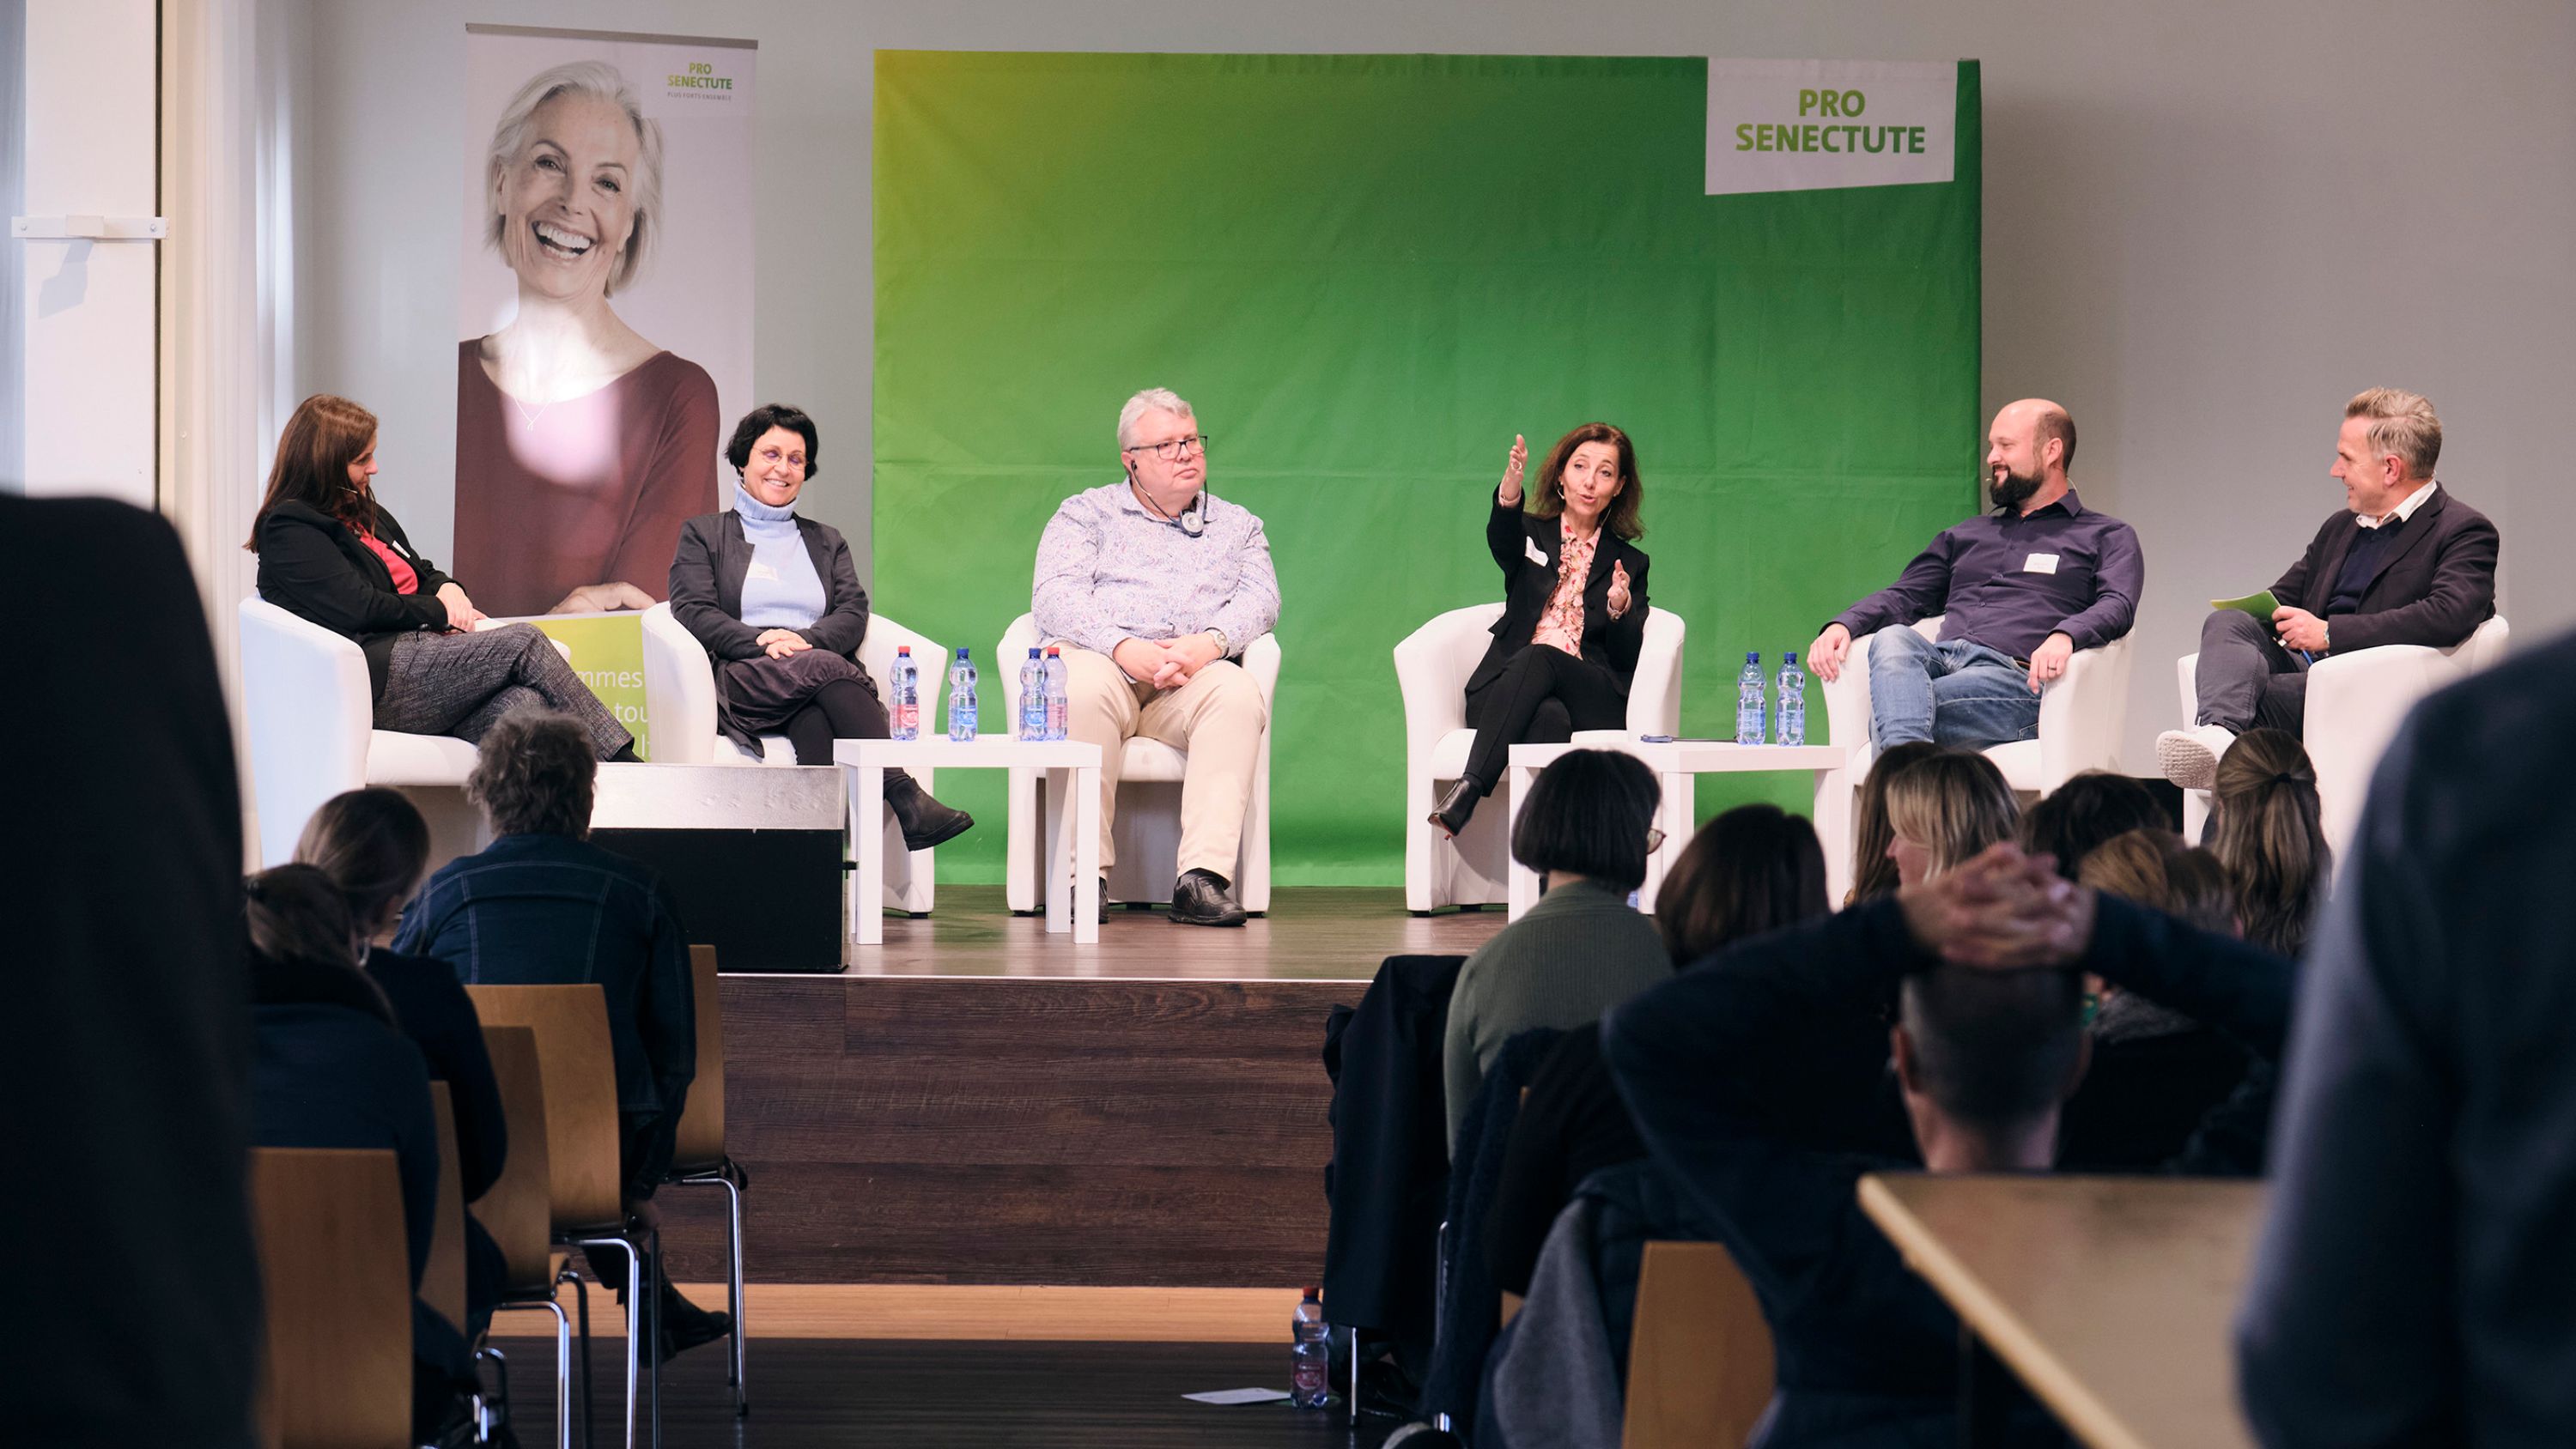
[2402, 426]
[2155, 869]
[601, 81]
[1955, 803]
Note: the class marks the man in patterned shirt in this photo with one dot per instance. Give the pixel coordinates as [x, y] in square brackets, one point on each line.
[1154, 588]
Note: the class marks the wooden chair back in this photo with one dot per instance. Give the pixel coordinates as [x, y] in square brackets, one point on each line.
[577, 1070]
[336, 1271]
[442, 1280]
[518, 1209]
[701, 1136]
[1699, 1359]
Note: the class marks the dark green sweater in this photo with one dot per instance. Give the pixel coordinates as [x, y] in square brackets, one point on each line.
[1580, 951]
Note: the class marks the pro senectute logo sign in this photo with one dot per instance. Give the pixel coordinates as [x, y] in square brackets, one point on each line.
[1812, 125]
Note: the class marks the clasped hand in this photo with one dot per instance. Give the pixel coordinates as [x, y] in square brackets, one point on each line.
[2299, 629]
[779, 643]
[1167, 663]
[2002, 911]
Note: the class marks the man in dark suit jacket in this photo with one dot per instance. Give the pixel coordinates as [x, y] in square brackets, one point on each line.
[2405, 563]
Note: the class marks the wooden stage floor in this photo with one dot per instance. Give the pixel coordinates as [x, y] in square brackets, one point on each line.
[978, 1102]
[1310, 934]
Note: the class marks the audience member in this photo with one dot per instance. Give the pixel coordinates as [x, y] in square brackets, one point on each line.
[1873, 869]
[1941, 811]
[2157, 1074]
[2264, 828]
[1753, 1077]
[2090, 808]
[542, 905]
[374, 846]
[1755, 868]
[2410, 1284]
[330, 1069]
[1587, 829]
[127, 1077]
[2020, 590]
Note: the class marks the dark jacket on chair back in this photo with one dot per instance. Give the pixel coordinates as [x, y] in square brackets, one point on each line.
[1528, 583]
[315, 567]
[2435, 582]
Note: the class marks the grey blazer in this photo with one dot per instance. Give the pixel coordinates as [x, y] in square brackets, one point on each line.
[706, 589]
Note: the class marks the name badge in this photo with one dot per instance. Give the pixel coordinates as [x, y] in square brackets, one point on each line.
[761, 570]
[1533, 552]
[2040, 563]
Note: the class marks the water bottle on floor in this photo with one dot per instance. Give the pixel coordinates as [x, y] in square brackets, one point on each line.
[1310, 1367]
[903, 721]
[1748, 700]
[1033, 708]
[1792, 721]
[1059, 704]
[961, 698]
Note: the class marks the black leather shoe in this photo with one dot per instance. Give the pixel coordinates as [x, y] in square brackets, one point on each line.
[925, 821]
[1457, 807]
[686, 1326]
[1202, 898]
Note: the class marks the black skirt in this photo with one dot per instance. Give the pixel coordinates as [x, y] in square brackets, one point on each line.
[756, 697]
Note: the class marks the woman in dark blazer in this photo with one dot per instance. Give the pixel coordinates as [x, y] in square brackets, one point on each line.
[777, 603]
[330, 553]
[1574, 608]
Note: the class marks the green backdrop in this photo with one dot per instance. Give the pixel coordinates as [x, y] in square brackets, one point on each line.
[1367, 273]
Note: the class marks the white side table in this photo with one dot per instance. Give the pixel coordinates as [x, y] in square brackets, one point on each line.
[1073, 824]
[1677, 763]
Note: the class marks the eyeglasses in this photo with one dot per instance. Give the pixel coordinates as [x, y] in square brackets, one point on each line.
[1174, 450]
[1654, 838]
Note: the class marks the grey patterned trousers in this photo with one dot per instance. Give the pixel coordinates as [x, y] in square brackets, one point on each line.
[461, 685]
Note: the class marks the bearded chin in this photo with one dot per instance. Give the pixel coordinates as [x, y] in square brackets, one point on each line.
[2013, 490]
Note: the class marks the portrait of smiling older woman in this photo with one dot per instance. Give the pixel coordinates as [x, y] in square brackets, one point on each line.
[580, 445]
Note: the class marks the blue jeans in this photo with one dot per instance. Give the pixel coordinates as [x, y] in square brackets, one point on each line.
[1956, 694]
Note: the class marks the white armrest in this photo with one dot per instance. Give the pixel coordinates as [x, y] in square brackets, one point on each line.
[1847, 699]
[2082, 712]
[2187, 678]
[679, 691]
[310, 711]
[1431, 669]
[1655, 692]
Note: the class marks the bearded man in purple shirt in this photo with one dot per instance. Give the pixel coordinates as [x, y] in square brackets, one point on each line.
[2022, 589]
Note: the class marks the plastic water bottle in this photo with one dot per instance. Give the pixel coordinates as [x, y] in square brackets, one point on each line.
[904, 720]
[1033, 709]
[1748, 700]
[1310, 1365]
[961, 698]
[1792, 721]
[1059, 704]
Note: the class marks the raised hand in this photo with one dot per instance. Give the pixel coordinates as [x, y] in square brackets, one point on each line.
[1619, 596]
[1511, 489]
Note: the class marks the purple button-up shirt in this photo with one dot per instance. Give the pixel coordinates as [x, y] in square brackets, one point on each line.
[2009, 580]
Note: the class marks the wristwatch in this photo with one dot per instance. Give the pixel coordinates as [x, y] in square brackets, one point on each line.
[2325, 635]
[1224, 647]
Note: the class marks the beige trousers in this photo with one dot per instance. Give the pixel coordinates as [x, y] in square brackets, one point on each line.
[1216, 717]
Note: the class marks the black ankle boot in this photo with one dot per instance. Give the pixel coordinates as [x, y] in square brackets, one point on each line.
[925, 821]
[1458, 806]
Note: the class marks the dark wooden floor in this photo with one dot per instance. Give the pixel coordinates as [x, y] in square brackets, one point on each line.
[980, 1113]
[828, 1394]
[1315, 934]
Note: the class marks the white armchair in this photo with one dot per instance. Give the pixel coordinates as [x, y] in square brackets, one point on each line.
[2081, 714]
[1148, 825]
[2355, 703]
[1431, 669]
[310, 711]
[680, 701]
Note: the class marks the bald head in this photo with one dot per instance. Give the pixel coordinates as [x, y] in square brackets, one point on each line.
[2028, 452]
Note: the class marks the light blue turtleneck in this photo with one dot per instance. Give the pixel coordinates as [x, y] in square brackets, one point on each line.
[781, 590]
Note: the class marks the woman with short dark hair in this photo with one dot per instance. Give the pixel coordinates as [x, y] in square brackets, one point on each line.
[1587, 828]
[1574, 607]
[776, 600]
[1753, 869]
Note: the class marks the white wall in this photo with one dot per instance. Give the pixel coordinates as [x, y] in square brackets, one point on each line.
[2208, 222]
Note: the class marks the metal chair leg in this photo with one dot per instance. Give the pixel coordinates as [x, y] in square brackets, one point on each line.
[581, 1300]
[634, 1326]
[733, 1269]
[651, 1318]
